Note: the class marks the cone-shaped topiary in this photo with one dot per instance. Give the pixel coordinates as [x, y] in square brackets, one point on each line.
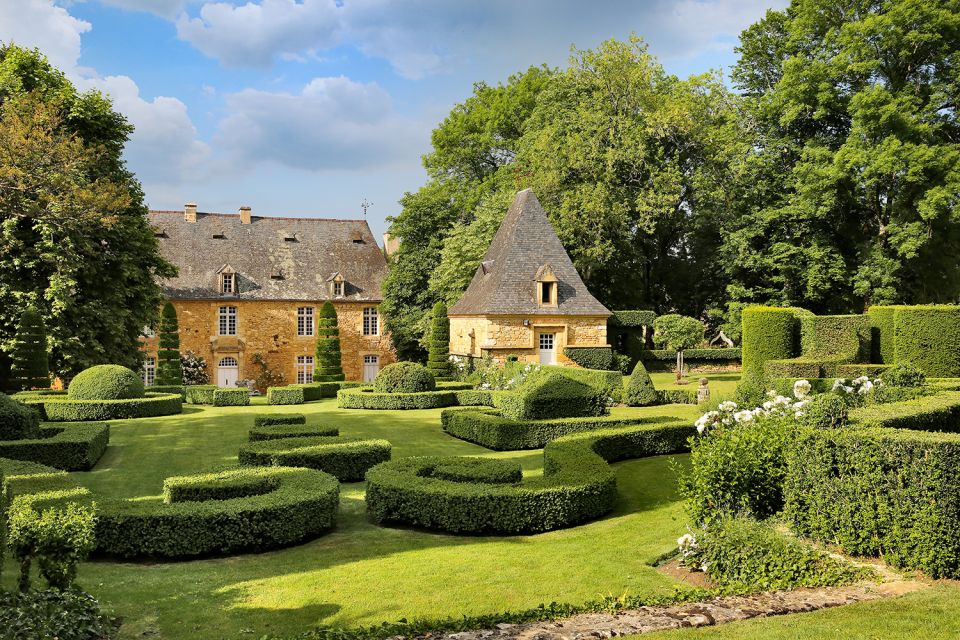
[30, 367]
[169, 368]
[438, 360]
[17, 421]
[640, 390]
[404, 377]
[105, 382]
[328, 368]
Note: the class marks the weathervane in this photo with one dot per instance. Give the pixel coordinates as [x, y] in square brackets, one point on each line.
[366, 204]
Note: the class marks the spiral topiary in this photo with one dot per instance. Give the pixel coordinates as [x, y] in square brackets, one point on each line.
[17, 421]
[105, 382]
[404, 377]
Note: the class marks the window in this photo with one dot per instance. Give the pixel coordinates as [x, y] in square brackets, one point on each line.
[227, 283]
[338, 289]
[149, 371]
[547, 290]
[304, 369]
[371, 321]
[228, 321]
[304, 321]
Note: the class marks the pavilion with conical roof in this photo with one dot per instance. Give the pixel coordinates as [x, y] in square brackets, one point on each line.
[526, 298]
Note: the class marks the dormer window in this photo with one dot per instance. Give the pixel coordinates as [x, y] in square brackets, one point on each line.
[357, 237]
[546, 287]
[337, 284]
[227, 277]
[338, 289]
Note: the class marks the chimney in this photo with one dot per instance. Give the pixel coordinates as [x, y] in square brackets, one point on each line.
[245, 215]
[190, 212]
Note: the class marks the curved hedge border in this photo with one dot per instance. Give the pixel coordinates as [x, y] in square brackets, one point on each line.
[302, 505]
[18, 477]
[366, 398]
[347, 459]
[577, 485]
[275, 431]
[493, 431]
[154, 404]
[71, 447]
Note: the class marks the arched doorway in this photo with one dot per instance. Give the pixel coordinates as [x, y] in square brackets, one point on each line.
[228, 370]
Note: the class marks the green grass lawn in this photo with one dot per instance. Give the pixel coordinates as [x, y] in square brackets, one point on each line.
[362, 573]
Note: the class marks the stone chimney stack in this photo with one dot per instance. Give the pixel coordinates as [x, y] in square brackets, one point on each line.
[245, 215]
[190, 212]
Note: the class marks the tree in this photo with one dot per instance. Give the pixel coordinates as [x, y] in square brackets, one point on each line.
[679, 333]
[328, 367]
[169, 368]
[438, 362]
[74, 236]
[30, 367]
[194, 368]
[850, 177]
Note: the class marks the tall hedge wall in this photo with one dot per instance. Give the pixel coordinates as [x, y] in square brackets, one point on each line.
[881, 331]
[768, 334]
[929, 337]
[846, 337]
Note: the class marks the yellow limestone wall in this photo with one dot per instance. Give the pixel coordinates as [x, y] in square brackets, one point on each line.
[270, 327]
[504, 336]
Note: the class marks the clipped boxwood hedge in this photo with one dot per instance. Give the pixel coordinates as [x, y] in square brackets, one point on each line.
[72, 447]
[881, 333]
[313, 391]
[106, 382]
[274, 431]
[474, 398]
[493, 431]
[632, 318]
[857, 370]
[552, 393]
[768, 334]
[285, 395]
[929, 338]
[71, 410]
[170, 388]
[347, 459]
[231, 397]
[200, 393]
[18, 477]
[591, 357]
[940, 412]
[826, 343]
[265, 419]
[724, 354]
[367, 398]
[577, 485]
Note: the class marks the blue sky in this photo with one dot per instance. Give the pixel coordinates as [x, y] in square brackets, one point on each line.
[306, 107]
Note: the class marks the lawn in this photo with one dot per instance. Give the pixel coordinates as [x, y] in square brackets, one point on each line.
[362, 573]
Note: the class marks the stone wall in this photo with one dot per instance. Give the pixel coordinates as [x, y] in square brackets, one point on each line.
[503, 336]
[270, 328]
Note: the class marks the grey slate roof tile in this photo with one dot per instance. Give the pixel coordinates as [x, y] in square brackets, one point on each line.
[505, 281]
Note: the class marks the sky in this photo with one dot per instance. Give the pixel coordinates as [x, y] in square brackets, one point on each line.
[310, 107]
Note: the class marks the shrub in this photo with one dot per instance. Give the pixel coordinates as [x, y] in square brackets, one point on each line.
[438, 358]
[71, 447]
[329, 368]
[552, 393]
[284, 395]
[768, 334]
[105, 382]
[857, 370]
[302, 506]
[169, 368]
[29, 364]
[609, 383]
[149, 406]
[903, 374]
[200, 393]
[940, 412]
[676, 396]
[621, 363]
[752, 389]
[826, 411]
[743, 554]
[266, 376]
[17, 420]
[19, 477]
[929, 337]
[365, 398]
[640, 391]
[58, 538]
[231, 397]
[171, 388]
[633, 318]
[577, 485]
[404, 377]
[266, 419]
[678, 333]
[591, 357]
[274, 431]
[493, 431]
[473, 398]
[194, 369]
[347, 459]
[319, 390]
[65, 615]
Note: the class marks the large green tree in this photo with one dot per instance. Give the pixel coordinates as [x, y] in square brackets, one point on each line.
[850, 177]
[74, 236]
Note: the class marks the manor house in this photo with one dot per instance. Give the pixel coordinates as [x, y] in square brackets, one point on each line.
[254, 285]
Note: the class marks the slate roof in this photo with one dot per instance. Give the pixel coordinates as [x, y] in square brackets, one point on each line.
[505, 281]
[274, 258]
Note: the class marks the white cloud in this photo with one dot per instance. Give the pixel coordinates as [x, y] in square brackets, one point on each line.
[162, 8]
[41, 24]
[253, 34]
[332, 124]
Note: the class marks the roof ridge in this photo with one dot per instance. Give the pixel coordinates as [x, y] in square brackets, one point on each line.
[237, 215]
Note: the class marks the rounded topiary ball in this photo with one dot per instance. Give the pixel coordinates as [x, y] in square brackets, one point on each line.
[105, 382]
[404, 377]
[17, 421]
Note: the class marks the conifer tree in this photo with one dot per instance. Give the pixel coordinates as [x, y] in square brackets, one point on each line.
[328, 366]
[30, 367]
[438, 360]
[169, 367]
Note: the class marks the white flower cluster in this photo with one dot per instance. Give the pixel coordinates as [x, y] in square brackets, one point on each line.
[459, 363]
[858, 386]
[688, 552]
[728, 413]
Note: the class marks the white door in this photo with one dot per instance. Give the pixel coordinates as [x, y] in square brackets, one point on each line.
[371, 367]
[227, 372]
[548, 352]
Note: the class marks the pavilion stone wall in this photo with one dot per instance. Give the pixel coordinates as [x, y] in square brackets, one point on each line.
[503, 336]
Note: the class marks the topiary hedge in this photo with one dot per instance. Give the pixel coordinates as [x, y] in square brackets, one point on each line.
[284, 395]
[577, 485]
[300, 506]
[857, 370]
[170, 388]
[826, 343]
[552, 393]
[367, 398]
[347, 459]
[17, 420]
[640, 390]
[493, 431]
[881, 333]
[768, 334]
[151, 405]
[404, 377]
[18, 477]
[231, 397]
[71, 447]
[200, 393]
[591, 357]
[275, 431]
[705, 355]
[940, 412]
[632, 318]
[266, 419]
[319, 390]
[106, 382]
[929, 338]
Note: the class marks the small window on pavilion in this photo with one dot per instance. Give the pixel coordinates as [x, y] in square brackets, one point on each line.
[218, 236]
[546, 287]
[357, 237]
[228, 282]
[338, 285]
